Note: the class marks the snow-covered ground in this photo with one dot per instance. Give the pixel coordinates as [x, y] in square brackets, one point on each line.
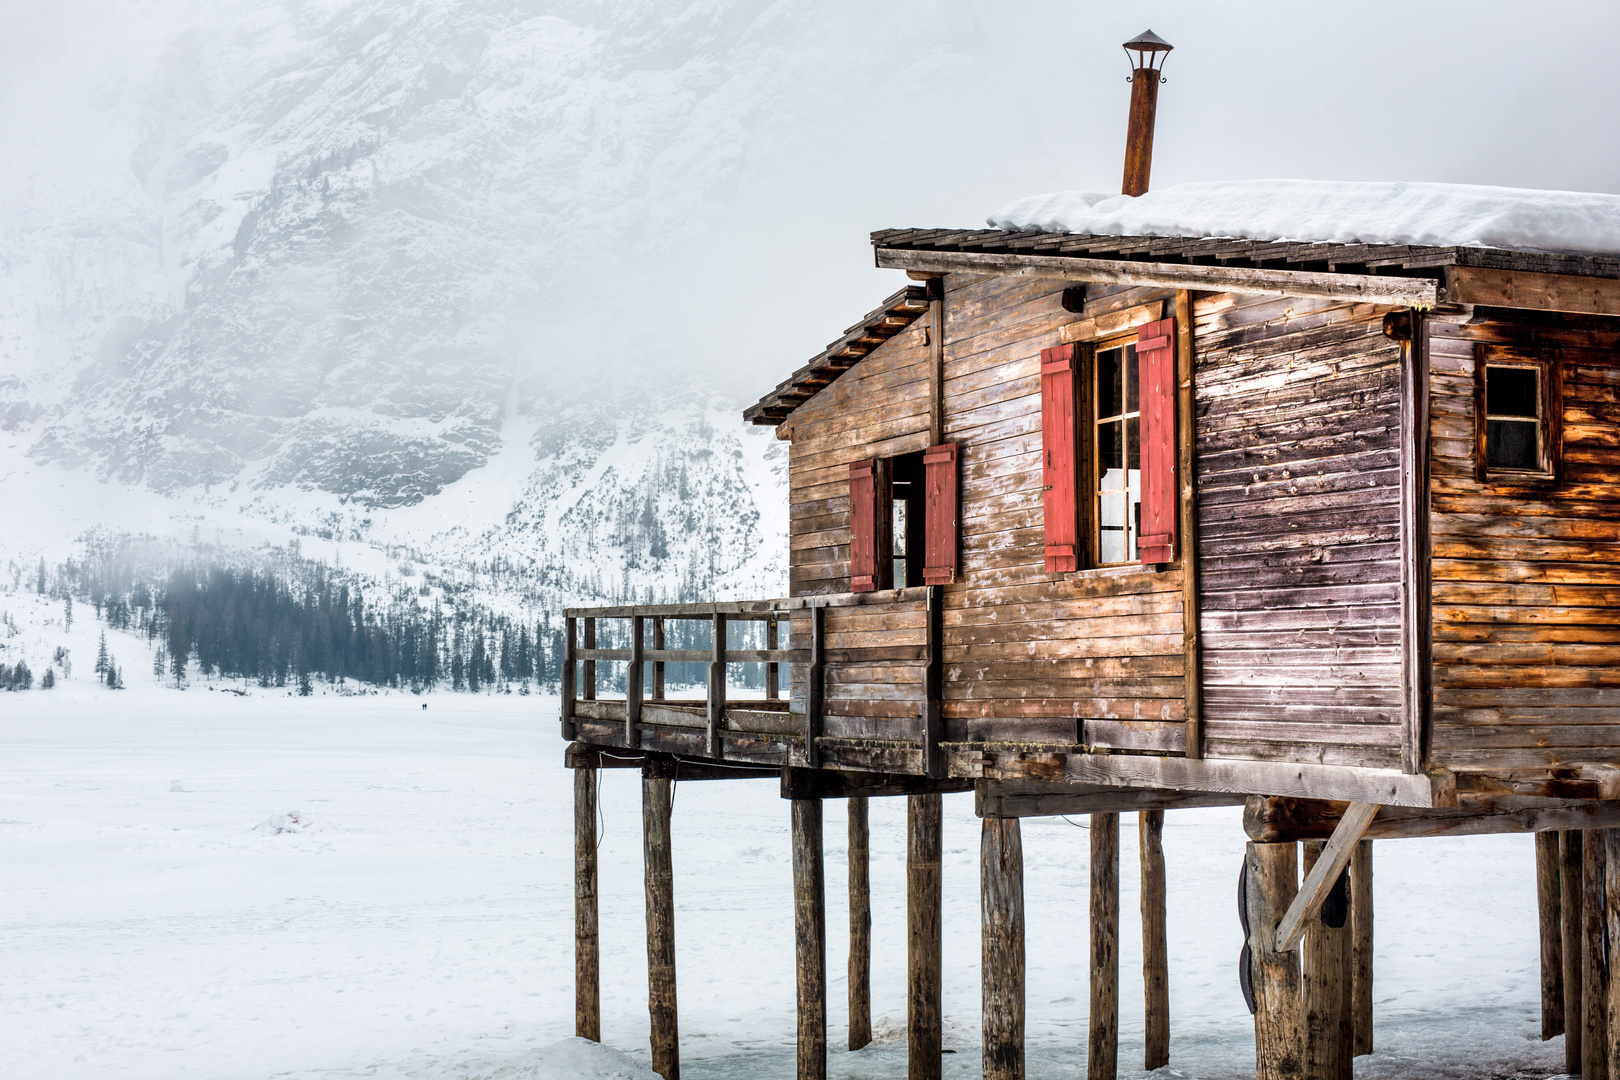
[165, 917]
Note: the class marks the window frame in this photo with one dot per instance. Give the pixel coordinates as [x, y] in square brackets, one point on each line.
[1550, 406]
[1087, 450]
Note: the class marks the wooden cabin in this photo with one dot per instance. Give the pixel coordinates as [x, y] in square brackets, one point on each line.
[1091, 523]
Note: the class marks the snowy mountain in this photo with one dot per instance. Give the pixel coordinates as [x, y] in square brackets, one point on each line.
[330, 259]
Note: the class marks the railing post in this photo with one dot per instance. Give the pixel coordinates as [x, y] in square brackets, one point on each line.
[588, 675]
[658, 665]
[772, 679]
[717, 686]
[566, 690]
[632, 687]
[813, 690]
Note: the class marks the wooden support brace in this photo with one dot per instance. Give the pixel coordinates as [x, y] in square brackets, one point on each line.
[587, 674]
[1319, 882]
[1550, 922]
[1611, 891]
[814, 685]
[773, 689]
[860, 925]
[924, 954]
[587, 942]
[660, 883]
[1155, 947]
[810, 937]
[1001, 935]
[658, 665]
[1102, 1042]
[632, 686]
[567, 690]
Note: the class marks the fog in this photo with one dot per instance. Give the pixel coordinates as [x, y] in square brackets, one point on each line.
[255, 214]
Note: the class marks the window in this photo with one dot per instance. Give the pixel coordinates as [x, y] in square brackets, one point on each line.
[903, 520]
[1117, 462]
[1518, 417]
[1108, 435]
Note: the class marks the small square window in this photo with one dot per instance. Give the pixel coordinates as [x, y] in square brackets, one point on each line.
[1518, 418]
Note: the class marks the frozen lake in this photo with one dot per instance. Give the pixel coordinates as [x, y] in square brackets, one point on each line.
[417, 920]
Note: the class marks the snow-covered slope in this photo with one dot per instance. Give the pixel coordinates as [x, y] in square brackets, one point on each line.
[330, 259]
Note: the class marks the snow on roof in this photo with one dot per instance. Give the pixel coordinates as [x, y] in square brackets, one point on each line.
[1322, 211]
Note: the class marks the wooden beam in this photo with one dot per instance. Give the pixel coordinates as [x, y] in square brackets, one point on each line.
[1550, 924]
[584, 756]
[1351, 288]
[1102, 1041]
[1319, 882]
[1361, 948]
[934, 685]
[717, 686]
[924, 951]
[814, 687]
[1270, 819]
[587, 941]
[860, 924]
[835, 784]
[810, 938]
[1155, 947]
[1416, 559]
[1001, 936]
[1272, 874]
[1571, 895]
[658, 665]
[660, 883]
[587, 673]
[1384, 786]
[1537, 292]
[1325, 999]
[1036, 798]
[566, 691]
[1611, 891]
[1186, 446]
[1594, 961]
[632, 686]
[773, 688]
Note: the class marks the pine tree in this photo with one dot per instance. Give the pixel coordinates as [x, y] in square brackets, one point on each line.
[101, 655]
[160, 661]
[48, 681]
[67, 611]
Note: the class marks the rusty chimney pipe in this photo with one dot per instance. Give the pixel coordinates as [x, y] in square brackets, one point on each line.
[1150, 50]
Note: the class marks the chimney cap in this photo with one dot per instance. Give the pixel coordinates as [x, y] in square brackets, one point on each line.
[1150, 50]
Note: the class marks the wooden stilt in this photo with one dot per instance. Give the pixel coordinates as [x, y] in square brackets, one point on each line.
[660, 878]
[1155, 950]
[1273, 880]
[1569, 891]
[924, 814]
[587, 943]
[1611, 890]
[1594, 963]
[1326, 987]
[1361, 949]
[810, 937]
[1001, 930]
[1102, 1044]
[1549, 908]
[860, 926]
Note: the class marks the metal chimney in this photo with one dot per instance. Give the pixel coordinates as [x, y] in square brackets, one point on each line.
[1150, 50]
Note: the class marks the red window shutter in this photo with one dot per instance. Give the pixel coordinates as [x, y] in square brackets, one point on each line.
[863, 509]
[940, 502]
[1156, 374]
[1058, 470]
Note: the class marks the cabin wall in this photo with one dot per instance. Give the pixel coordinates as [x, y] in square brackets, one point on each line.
[1526, 583]
[1298, 471]
[1094, 656]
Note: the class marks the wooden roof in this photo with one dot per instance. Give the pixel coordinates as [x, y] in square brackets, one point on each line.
[894, 315]
[1393, 259]
[1396, 274]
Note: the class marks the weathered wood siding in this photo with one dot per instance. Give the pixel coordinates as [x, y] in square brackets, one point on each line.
[1298, 469]
[1526, 583]
[1092, 656]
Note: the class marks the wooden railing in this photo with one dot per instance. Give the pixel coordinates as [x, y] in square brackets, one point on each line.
[852, 649]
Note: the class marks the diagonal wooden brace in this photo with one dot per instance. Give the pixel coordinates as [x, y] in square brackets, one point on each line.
[1319, 882]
